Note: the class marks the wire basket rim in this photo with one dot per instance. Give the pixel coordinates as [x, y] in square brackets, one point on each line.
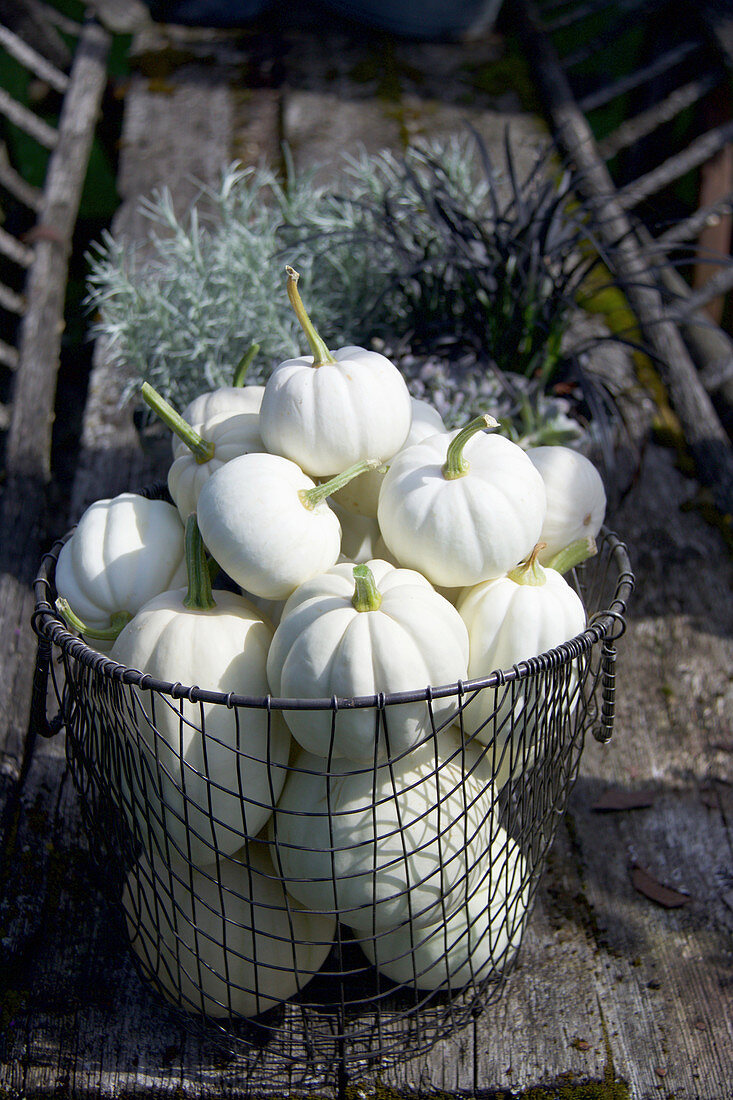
[607, 624]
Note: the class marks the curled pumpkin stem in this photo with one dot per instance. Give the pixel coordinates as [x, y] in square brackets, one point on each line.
[455, 463]
[530, 571]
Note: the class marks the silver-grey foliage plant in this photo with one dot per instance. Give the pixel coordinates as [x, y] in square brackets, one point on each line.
[181, 310]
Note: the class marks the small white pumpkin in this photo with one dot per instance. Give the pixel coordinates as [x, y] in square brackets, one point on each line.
[225, 941]
[207, 775]
[227, 438]
[360, 630]
[124, 550]
[328, 411]
[510, 619]
[359, 534]
[268, 525]
[380, 845]
[461, 507]
[576, 498]
[216, 405]
[480, 938]
[361, 496]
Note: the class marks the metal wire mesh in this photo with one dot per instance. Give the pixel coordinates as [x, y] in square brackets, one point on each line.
[312, 908]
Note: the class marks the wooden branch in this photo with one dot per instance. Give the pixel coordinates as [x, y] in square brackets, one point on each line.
[29, 20]
[688, 229]
[14, 249]
[28, 447]
[696, 153]
[646, 122]
[15, 185]
[710, 347]
[707, 439]
[33, 61]
[626, 84]
[23, 118]
[12, 302]
[9, 359]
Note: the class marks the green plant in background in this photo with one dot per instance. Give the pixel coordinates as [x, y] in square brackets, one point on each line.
[465, 276]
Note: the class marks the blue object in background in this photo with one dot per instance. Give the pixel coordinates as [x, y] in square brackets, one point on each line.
[208, 13]
[427, 19]
[423, 19]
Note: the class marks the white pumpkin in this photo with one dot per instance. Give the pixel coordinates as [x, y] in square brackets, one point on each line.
[328, 411]
[222, 942]
[355, 631]
[380, 845]
[576, 498]
[229, 438]
[221, 404]
[461, 507]
[124, 551]
[480, 938]
[201, 457]
[509, 620]
[361, 496]
[359, 534]
[268, 525]
[206, 775]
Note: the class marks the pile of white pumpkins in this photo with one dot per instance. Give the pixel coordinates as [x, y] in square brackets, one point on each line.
[376, 552]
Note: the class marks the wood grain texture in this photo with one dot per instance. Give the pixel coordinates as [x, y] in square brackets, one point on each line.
[28, 446]
[608, 988]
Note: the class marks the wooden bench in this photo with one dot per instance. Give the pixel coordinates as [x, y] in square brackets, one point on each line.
[612, 987]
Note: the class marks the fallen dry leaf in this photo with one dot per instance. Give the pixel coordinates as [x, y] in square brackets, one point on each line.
[618, 798]
[656, 891]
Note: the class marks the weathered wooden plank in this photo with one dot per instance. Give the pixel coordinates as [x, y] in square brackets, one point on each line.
[28, 446]
[578, 1002]
[179, 138]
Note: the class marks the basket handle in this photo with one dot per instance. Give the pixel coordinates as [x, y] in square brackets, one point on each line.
[603, 731]
[39, 720]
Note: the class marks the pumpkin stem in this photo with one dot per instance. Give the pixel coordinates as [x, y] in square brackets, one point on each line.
[98, 633]
[367, 596]
[455, 464]
[198, 597]
[202, 449]
[321, 354]
[240, 371]
[309, 498]
[573, 554]
[530, 571]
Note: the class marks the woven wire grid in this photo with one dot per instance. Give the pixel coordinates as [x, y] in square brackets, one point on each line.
[343, 912]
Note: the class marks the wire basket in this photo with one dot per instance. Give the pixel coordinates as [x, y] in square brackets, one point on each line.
[378, 907]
